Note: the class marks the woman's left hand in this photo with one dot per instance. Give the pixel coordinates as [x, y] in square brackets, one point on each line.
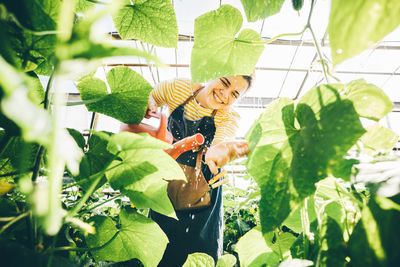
[220, 154]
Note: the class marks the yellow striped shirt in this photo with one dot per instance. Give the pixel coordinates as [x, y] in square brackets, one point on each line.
[172, 93]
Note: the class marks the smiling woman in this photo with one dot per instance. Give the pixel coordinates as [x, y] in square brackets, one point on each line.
[206, 109]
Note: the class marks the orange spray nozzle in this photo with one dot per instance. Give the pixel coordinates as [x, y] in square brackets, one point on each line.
[185, 144]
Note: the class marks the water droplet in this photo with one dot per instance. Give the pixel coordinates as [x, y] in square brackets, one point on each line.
[187, 229]
[192, 216]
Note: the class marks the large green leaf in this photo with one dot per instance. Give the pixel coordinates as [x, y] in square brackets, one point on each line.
[375, 239]
[87, 44]
[280, 242]
[142, 170]
[151, 21]
[78, 137]
[35, 94]
[369, 100]
[6, 49]
[37, 16]
[84, 6]
[153, 197]
[332, 125]
[139, 237]
[17, 156]
[328, 201]
[303, 247]
[34, 122]
[227, 260]
[286, 162]
[378, 139]
[127, 100]
[199, 260]
[293, 221]
[248, 256]
[216, 52]
[94, 161]
[356, 26]
[270, 158]
[333, 250]
[260, 9]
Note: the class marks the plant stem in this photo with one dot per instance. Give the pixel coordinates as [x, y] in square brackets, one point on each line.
[39, 155]
[9, 174]
[276, 234]
[16, 219]
[48, 88]
[345, 210]
[344, 191]
[4, 143]
[104, 3]
[88, 193]
[52, 252]
[98, 205]
[271, 39]
[305, 224]
[81, 181]
[91, 189]
[315, 40]
[84, 249]
[6, 219]
[38, 160]
[319, 52]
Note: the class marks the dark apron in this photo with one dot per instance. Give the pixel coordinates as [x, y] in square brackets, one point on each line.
[199, 230]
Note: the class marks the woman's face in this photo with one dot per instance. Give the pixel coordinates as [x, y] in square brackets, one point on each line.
[223, 92]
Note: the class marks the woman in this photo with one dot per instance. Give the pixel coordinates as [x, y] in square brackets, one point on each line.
[195, 108]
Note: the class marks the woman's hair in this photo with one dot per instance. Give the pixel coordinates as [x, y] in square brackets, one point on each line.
[249, 80]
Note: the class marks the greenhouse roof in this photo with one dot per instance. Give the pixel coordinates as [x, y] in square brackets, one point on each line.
[288, 67]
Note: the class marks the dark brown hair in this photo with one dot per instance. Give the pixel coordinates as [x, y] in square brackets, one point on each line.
[249, 80]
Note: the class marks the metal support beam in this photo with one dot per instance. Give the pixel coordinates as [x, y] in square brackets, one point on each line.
[189, 38]
[263, 68]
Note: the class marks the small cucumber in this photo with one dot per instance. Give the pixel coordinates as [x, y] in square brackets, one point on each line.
[297, 4]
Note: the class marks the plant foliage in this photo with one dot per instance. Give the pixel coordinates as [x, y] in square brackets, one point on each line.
[303, 208]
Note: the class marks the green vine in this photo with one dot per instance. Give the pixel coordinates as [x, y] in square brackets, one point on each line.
[83, 249]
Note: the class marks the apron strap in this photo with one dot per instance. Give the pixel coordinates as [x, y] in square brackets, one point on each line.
[200, 158]
[192, 96]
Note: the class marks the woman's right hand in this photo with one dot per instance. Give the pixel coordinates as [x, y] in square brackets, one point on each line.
[220, 154]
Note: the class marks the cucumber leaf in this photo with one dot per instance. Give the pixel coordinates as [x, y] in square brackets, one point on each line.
[270, 158]
[261, 9]
[355, 27]
[94, 160]
[127, 100]
[250, 257]
[137, 236]
[142, 170]
[199, 259]
[332, 125]
[227, 260]
[287, 161]
[373, 241]
[369, 100]
[216, 52]
[333, 250]
[378, 139]
[151, 21]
